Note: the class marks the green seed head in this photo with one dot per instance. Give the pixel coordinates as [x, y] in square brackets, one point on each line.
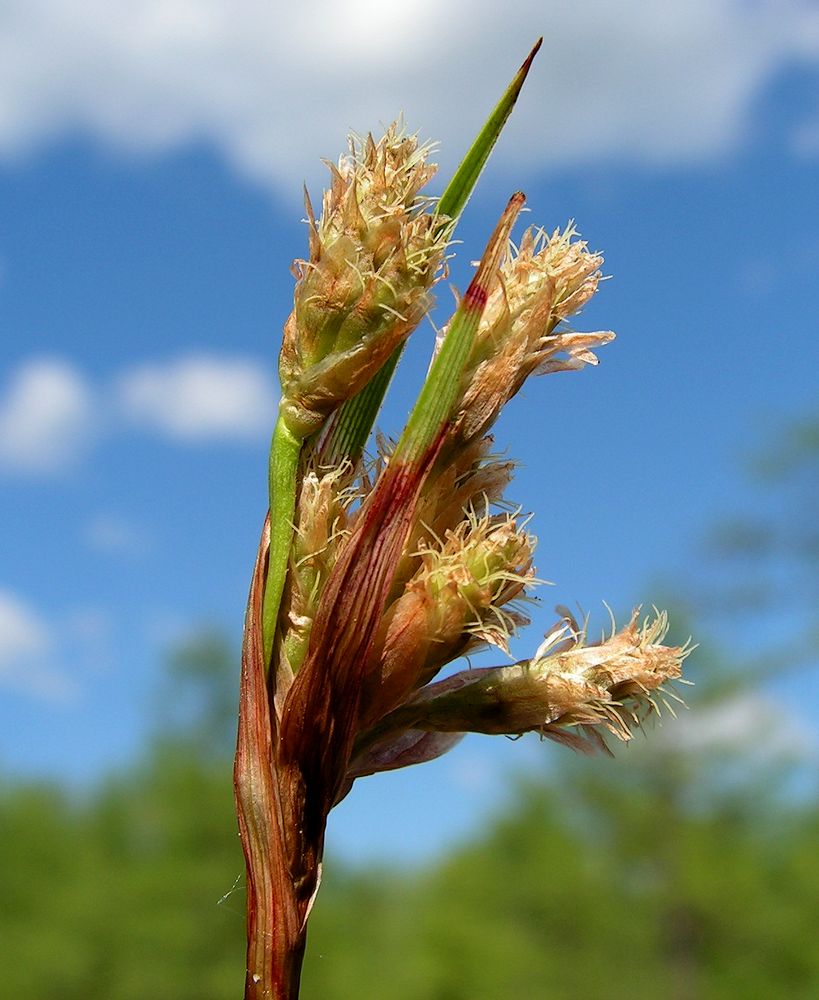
[375, 251]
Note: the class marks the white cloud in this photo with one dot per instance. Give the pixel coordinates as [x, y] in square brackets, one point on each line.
[22, 632]
[200, 398]
[114, 534]
[752, 723]
[26, 643]
[45, 417]
[50, 414]
[275, 85]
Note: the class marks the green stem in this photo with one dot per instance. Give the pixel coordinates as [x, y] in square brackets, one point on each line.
[439, 392]
[353, 423]
[285, 450]
[442, 387]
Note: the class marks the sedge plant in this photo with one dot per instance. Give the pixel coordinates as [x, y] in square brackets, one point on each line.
[376, 571]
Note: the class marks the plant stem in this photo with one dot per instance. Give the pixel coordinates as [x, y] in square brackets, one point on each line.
[277, 905]
[352, 424]
[285, 450]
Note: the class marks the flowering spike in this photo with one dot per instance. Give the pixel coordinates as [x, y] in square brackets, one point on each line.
[573, 693]
[541, 285]
[356, 299]
[373, 575]
[458, 599]
[323, 523]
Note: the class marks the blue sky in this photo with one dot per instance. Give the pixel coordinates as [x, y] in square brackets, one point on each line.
[151, 162]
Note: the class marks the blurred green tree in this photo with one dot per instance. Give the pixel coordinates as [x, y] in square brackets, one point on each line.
[116, 895]
[687, 870]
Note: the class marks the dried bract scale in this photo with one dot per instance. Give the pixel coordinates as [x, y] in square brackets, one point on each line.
[375, 251]
[411, 746]
[459, 599]
[546, 280]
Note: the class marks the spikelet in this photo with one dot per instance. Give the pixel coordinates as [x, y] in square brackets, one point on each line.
[323, 522]
[544, 282]
[571, 692]
[374, 253]
[458, 599]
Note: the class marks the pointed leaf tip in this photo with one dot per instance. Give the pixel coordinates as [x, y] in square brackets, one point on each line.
[463, 182]
[523, 72]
